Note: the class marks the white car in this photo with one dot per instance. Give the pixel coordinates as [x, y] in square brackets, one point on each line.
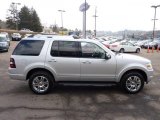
[16, 36]
[124, 47]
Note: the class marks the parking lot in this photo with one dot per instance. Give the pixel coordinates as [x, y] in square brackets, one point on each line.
[17, 102]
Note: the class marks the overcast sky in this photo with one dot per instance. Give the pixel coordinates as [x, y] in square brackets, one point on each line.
[113, 15]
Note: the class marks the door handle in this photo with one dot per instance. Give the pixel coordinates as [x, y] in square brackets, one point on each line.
[52, 60]
[86, 62]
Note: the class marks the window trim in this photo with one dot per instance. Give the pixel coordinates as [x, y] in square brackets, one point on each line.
[76, 49]
[80, 49]
[13, 53]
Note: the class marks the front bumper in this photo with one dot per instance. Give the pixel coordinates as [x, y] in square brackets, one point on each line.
[149, 75]
[3, 47]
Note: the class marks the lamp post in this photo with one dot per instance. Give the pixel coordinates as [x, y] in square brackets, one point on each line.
[61, 11]
[16, 15]
[155, 7]
[95, 16]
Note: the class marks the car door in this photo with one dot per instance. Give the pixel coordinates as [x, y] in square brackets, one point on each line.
[64, 60]
[94, 66]
[131, 47]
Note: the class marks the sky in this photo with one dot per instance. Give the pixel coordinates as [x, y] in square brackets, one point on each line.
[113, 15]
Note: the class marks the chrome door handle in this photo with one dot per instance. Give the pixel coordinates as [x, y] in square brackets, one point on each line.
[86, 62]
[52, 60]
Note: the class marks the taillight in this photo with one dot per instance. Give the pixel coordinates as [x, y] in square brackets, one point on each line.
[12, 63]
[107, 46]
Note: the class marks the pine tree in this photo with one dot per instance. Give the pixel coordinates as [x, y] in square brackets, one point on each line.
[25, 18]
[12, 17]
[36, 24]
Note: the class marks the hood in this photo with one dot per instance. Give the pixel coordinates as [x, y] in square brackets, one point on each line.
[132, 58]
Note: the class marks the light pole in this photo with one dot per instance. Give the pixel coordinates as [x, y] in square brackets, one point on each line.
[16, 13]
[155, 7]
[61, 11]
[95, 16]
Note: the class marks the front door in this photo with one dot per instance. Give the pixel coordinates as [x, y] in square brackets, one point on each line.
[94, 66]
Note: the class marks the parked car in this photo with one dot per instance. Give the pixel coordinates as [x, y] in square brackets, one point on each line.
[145, 43]
[151, 44]
[125, 47]
[4, 45]
[60, 60]
[6, 35]
[16, 36]
[154, 44]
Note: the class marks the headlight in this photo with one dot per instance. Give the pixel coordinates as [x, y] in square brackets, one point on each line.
[149, 66]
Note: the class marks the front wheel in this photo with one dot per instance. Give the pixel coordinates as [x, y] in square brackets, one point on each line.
[121, 50]
[132, 82]
[40, 82]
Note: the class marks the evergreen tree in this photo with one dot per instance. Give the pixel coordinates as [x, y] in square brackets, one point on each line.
[12, 17]
[25, 18]
[36, 24]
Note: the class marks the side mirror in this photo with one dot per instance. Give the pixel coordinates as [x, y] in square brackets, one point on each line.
[107, 56]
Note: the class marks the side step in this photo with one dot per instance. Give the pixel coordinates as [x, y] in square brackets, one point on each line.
[71, 83]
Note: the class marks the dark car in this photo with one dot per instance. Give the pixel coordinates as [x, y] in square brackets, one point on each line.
[4, 45]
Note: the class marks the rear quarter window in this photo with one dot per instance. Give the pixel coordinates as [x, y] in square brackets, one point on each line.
[29, 47]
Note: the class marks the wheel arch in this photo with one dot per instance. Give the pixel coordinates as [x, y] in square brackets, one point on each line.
[135, 70]
[38, 69]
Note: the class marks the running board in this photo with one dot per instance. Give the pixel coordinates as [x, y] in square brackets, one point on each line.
[70, 83]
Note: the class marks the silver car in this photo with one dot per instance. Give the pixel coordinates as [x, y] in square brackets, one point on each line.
[4, 45]
[46, 62]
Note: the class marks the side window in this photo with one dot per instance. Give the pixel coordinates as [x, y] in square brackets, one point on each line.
[54, 49]
[130, 44]
[91, 50]
[124, 43]
[29, 47]
[64, 49]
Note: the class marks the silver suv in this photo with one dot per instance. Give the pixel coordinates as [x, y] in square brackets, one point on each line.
[45, 62]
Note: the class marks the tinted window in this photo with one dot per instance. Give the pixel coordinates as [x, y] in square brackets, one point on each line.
[64, 49]
[91, 50]
[2, 39]
[54, 49]
[29, 47]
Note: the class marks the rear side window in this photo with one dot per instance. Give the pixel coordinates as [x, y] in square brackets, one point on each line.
[29, 47]
[64, 49]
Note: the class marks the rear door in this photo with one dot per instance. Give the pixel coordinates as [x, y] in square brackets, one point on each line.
[64, 60]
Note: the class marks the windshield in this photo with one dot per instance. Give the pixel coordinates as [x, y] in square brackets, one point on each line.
[2, 39]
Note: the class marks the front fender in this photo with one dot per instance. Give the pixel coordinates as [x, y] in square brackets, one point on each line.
[129, 67]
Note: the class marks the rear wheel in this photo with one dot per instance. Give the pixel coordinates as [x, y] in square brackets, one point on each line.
[137, 50]
[121, 50]
[132, 82]
[41, 82]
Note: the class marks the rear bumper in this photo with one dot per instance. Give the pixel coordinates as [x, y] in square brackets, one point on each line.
[17, 77]
[12, 75]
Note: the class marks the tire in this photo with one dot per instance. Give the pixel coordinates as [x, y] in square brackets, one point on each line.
[132, 82]
[137, 50]
[41, 82]
[121, 50]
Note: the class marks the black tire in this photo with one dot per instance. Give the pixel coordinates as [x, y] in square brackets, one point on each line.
[121, 50]
[128, 82]
[46, 83]
[137, 50]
